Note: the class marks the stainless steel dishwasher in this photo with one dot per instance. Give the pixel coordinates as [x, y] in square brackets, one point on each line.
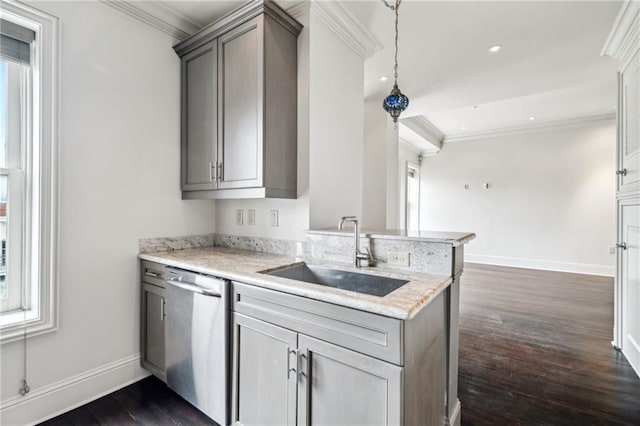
[197, 324]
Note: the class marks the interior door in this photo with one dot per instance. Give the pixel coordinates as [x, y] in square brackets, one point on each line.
[630, 282]
[342, 387]
[629, 149]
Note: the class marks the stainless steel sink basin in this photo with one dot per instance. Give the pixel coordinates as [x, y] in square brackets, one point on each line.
[352, 281]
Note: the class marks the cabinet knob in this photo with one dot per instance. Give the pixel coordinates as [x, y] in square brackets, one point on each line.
[622, 172]
[623, 246]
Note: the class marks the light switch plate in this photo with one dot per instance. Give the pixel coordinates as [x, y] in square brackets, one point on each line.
[398, 258]
[273, 218]
[251, 217]
[239, 217]
[485, 186]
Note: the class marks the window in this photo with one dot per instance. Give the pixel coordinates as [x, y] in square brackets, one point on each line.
[413, 198]
[28, 183]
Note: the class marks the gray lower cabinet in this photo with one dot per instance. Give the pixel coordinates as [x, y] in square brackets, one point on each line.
[342, 387]
[152, 337]
[239, 106]
[277, 372]
[302, 361]
[264, 379]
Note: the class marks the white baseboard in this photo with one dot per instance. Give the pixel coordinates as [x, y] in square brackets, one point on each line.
[59, 397]
[546, 265]
[455, 418]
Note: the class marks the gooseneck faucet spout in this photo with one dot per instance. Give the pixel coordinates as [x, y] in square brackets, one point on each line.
[358, 255]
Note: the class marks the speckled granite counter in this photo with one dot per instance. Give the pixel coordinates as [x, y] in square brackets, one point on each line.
[245, 266]
[453, 238]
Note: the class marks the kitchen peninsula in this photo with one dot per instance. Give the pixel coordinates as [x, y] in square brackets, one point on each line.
[319, 348]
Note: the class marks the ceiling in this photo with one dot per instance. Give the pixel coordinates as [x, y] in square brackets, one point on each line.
[549, 67]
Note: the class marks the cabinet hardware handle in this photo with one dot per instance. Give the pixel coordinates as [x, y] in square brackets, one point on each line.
[193, 288]
[305, 360]
[162, 312]
[219, 172]
[622, 172]
[213, 170]
[623, 246]
[289, 368]
[152, 274]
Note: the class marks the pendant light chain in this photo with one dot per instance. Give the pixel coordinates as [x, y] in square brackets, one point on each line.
[396, 102]
[395, 58]
[395, 67]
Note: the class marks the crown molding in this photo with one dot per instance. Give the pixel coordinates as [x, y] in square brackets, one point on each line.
[344, 24]
[417, 150]
[624, 38]
[423, 127]
[156, 15]
[508, 131]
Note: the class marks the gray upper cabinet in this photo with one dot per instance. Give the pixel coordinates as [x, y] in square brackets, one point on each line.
[239, 106]
[200, 118]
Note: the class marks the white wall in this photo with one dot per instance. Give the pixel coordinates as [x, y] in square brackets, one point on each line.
[119, 181]
[551, 201]
[374, 167]
[336, 128]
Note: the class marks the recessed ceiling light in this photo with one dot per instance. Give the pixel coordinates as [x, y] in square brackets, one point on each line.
[475, 107]
[383, 78]
[532, 118]
[463, 128]
[495, 48]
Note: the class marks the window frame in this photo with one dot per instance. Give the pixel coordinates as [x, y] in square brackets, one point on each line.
[41, 183]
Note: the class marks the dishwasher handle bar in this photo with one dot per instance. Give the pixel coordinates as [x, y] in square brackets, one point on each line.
[193, 288]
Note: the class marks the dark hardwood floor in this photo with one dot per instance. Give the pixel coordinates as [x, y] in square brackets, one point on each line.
[147, 402]
[534, 350]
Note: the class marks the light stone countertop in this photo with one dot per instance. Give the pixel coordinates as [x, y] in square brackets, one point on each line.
[245, 266]
[453, 238]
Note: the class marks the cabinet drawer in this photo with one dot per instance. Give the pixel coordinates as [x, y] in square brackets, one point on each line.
[364, 332]
[153, 273]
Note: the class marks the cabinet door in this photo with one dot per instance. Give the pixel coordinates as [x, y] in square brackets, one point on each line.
[200, 118]
[153, 314]
[342, 387]
[264, 373]
[629, 276]
[241, 59]
[629, 136]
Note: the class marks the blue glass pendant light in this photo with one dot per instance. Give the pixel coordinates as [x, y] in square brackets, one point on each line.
[396, 102]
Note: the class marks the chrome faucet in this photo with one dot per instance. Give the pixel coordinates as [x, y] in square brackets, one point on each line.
[358, 256]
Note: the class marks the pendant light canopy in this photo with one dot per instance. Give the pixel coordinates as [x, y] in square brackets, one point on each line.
[396, 102]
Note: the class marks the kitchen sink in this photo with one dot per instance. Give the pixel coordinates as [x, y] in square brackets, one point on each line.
[352, 281]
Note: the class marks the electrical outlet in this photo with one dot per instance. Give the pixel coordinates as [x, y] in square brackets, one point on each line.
[612, 249]
[398, 258]
[239, 217]
[273, 218]
[251, 217]
[466, 186]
